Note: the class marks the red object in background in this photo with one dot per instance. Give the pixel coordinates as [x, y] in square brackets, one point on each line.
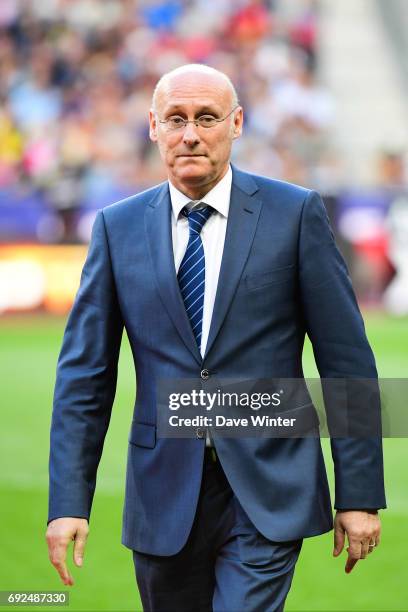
[198, 48]
[250, 23]
[374, 249]
[304, 33]
[194, 48]
[375, 252]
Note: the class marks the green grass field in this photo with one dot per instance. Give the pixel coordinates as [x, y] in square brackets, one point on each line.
[28, 352]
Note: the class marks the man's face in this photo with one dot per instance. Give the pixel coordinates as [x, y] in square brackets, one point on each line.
[196, 157]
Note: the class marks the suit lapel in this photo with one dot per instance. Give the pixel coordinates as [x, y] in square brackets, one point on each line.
[159, 237]
[242, 221]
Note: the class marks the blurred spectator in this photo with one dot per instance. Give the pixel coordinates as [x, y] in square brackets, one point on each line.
[11, 147]
[368, 220]
[394, 177]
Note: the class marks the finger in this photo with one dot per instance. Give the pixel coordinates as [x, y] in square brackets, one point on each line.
[79, 548]
[63, 571]
[339, 537]
[364, 549]
[350, 563]
[354, 554]
[58, 559]
[372, 544]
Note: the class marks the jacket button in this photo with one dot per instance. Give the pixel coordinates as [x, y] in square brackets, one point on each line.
[205, 375]
[200, 433]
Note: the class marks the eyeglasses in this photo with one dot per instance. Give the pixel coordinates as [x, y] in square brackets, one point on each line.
[175, 122]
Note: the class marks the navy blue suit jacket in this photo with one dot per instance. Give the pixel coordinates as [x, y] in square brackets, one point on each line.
[281, 277]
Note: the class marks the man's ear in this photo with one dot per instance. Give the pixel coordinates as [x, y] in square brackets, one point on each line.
[153, 126]
[238, 121]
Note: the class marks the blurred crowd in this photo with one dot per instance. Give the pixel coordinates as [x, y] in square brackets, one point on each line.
[76, 79]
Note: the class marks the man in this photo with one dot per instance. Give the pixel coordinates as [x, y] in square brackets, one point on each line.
[215, 272]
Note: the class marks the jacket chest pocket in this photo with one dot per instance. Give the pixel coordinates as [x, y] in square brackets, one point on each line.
[258, 280]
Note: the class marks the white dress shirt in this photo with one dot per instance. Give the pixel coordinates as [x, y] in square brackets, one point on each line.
[212, 236]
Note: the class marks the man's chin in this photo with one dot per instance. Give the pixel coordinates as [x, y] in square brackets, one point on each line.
[193, 171]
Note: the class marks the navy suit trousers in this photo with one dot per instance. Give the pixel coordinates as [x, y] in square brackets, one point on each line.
[226, 564]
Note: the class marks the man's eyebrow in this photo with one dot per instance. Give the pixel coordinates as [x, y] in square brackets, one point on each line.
[203, 110]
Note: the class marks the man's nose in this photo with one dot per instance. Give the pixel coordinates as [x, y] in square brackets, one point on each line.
[191, 136]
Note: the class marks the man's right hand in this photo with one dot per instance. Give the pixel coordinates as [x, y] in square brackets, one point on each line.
[59, 534]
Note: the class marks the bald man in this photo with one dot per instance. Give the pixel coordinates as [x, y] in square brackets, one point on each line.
[214, 272]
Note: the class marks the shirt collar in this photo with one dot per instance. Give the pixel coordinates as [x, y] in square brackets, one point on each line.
[218, 197]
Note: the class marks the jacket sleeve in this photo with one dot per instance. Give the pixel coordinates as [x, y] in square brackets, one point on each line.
[335, 327]
[85, 384]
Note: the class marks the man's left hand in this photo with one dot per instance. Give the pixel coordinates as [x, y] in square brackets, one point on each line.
[363, 529]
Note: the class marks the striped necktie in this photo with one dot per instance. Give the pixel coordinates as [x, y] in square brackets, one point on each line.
[191, 274]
